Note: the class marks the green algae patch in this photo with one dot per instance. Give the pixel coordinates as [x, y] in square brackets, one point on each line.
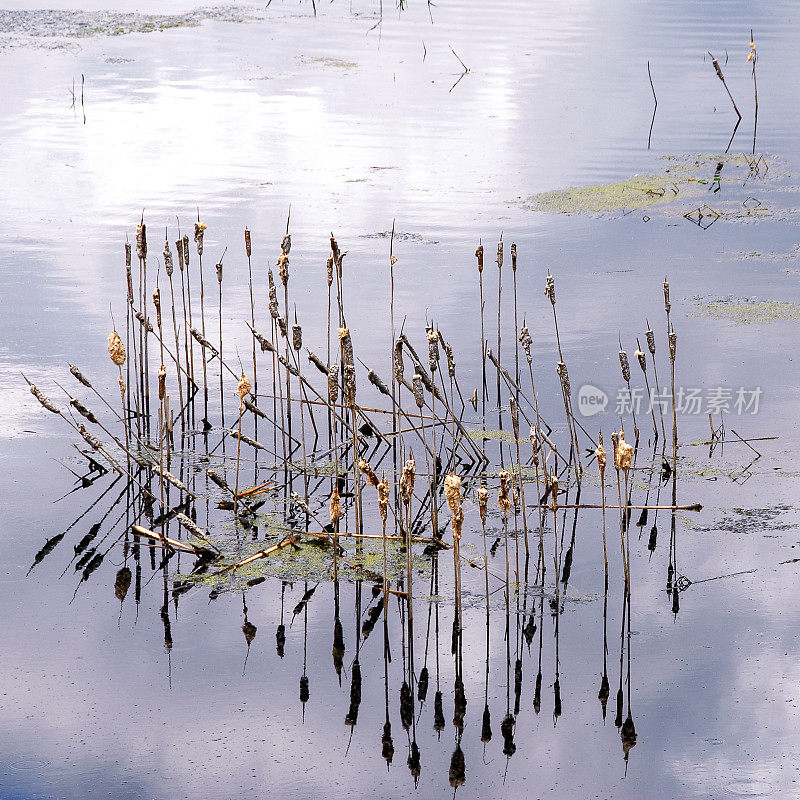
[749, 312]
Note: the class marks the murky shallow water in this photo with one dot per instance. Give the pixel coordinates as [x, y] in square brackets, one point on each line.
[356, 126]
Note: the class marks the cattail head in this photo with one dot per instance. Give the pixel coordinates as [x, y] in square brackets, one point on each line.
[514, 416]
[550, 288]
[45, 401]
[162, 382]
[451, 362]
[626, 367]
[243, 388]
[199, 232]
[157, 304]
[554, 483]
[346, 343]
[297, 336]
[127, 254]
[122, 387]
[273, 296]
[526, 340]
[433, 348]
[407, 479]
[561, 369]
[286, 244]
[141, 240]
[651, 341]
[479, 256]
[615, 443]
[452, 491]
[185, 243]
[600, 454]
[535, 445]
[504, 498]
[329, 267]
[514, 256]
[218, 267]
[350, 384]
[366, 470]
[673, 345]
[397, 364]
[483, 502]
[333, 384]
[116, 349]
[79, 376]
[168, 259]
[623, 454]
[500, 254]
[419, 397]
[667, 304]
[247, 245]
[336, 505]
[383, 497]
[641, 359]
[283, 268]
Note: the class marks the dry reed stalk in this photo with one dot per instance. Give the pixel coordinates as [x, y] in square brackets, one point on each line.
[199, 233]
[483, 503]
[242, 389]
[626, 376]
[515, 426]
[182, 248]
[218, 268]
[248, 248]
[141, 252]
[169, 268]
[516, 319]
[116, 351]
[504, 501]
[623, 456]
[452, 490]
[383, 508]
[499, 261]
[753, 57]
[433, 362]
[642, 359]
[600, 454]
[484, 392]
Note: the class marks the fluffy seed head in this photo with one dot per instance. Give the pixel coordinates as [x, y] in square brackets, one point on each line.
[116, 349]
[483, 502]
[504, 498]
[243, 389]
[383, 497]
[452, 491]
[407, 479]
[199, 230]
[366, 470]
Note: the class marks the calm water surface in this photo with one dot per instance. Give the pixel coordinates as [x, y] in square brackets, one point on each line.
[357, 121]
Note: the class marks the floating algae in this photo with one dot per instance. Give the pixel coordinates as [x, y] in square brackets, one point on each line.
[744, 311]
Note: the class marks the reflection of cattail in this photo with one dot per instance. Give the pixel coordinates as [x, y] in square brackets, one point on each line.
[366, 470]
[483, 502]
[116, 349]
[504, 498]
[407, 479]
[452, 491]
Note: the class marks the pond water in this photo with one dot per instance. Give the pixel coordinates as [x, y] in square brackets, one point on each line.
[456, 122]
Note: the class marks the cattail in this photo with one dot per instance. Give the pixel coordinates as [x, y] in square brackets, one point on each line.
[451, 362]
[290, 368]
[179, 251]
[92, 441]
[623, 454]
[514, 416]
[247, 248]
[313, 359]
[162, 382]
[651, 341]
[266, 344]
[526, 340]
[199, 230]
[127, 254]
[554, 484]
[514, 256]
[667, 304]
[350, 384]
[144, 321]
[383, 497]
[673, 345]
[407, 479]
[273, 296]
[483, 502]
[641, 358]
[534, 439]
[378, 383]
[433, 349]
[122, 388]
[561, 368]
[168, 259]
[297, 336]
[336, 505]
[201, 340]
[45, 401]
[419, 398]
[283, 268]
[504, 498]
[141, 240]
[333, 384]
[550, 288]
[626, 367]
[500, 254]
[615, 443]
[366, 470]
[116, 349]
[346, 344]
[80, 377]
[186, 250]
[397, 365]
[286, 244]
[157, 304]
[600, 454]
[452, 491]
[129, 279]
[479, 256]
[329, 267]
[282, 326]
[243, 387]
[218, 267]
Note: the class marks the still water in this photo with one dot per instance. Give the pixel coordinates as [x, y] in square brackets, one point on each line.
[356, 120]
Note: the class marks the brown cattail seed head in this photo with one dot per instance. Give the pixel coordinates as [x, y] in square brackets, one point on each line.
[157, 304]
[168, 259]
[122, 387]
[483, 502]
[329, 267]
[550, 288]
[452, 491]
[504, 498]
[514, 256]
[667, 304]
[79, 376]
[626, 367]
[129, 278]
[336, 505]
[433, 349]
[283, 268]
[186, 250]
[199, 231]
[333, 384]
[286, 244]
[297, 336]
[407, 479]
[45, 401]
[273, 296]
[383, 497]
[641, 358]
[600, 454]
[500, 254]
[526, 340]
[350, 384]
[218, 267]
[651, 341]
[141, 240]
[534, 438]
[366, 470]
[116, 349]
[479, 256]
[162, 382]
[243, 388]
[615, 443]
[451, 362]
[561, 368]
[673, 345]
[554, 490]
[346, 343]
[624, 454]
[397, 364]
[514, 416]
[127, 254]
[247, 246]
[419, 397]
